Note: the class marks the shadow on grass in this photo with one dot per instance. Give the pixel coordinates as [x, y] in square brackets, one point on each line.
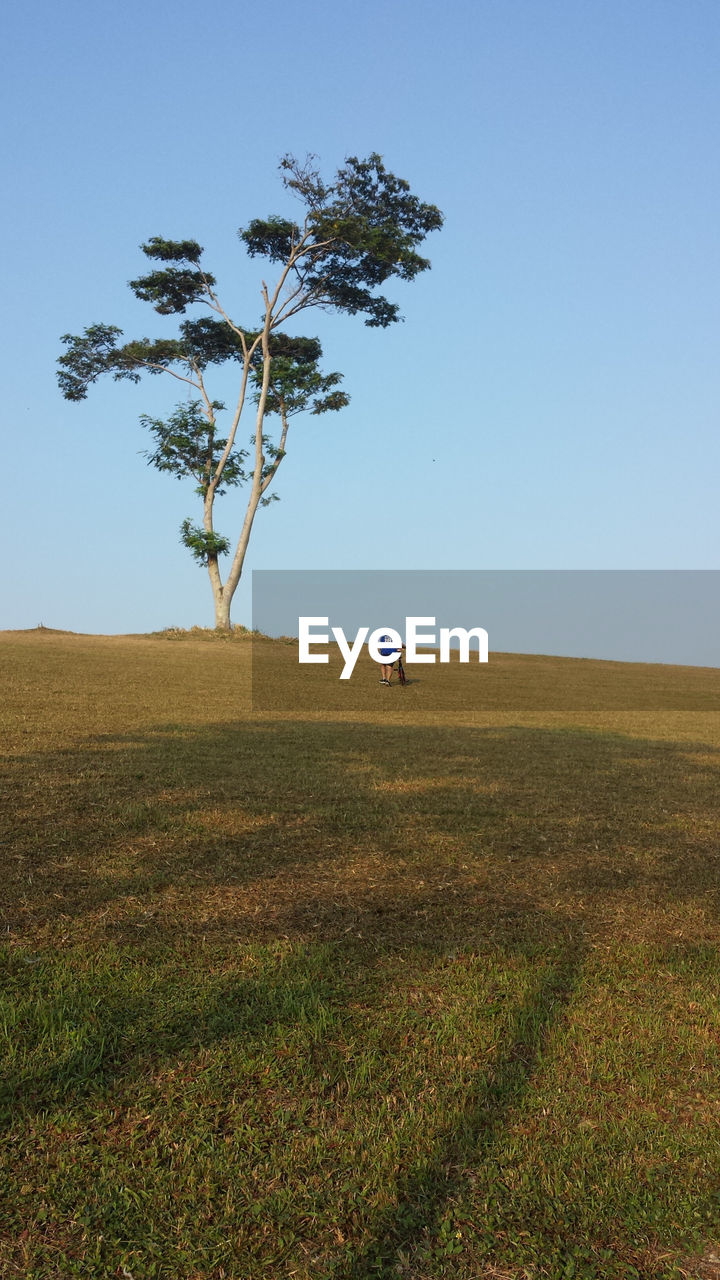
[316, 830]
[469, 1139]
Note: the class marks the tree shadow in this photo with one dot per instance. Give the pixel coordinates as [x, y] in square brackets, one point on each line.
[308, 829]
[475, 1129]
[292, 811]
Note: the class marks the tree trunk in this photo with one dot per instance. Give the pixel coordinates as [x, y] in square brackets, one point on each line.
[221, 597]
[228, 590]
[222, 613]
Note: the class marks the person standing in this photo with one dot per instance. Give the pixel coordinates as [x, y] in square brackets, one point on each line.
[386, 668]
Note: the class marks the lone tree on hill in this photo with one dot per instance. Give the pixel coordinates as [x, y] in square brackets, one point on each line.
[357, 232]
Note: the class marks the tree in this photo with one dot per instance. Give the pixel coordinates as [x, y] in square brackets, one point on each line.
[357, 232]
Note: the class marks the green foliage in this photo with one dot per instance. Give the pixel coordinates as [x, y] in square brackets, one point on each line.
[172, 290]
[358, 232]
[296, 383]
[87, 357]
[203, 545]
[295, 387]
[172, 250]
[363, 229]
[272, 238]
[301, 350]
[207, 341]
[202, 342]
[154, 356]
[187, 445]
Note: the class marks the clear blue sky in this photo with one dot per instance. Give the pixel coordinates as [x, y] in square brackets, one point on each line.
[552, 398]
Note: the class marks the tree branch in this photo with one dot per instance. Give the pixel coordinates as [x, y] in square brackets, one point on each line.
[163, 368]
[280, 453]
[209, 410]
[216, 306]
[236, 417]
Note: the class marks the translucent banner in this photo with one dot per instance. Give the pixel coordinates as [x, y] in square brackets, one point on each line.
[487, 639]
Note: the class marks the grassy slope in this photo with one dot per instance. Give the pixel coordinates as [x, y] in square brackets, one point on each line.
[404, 992]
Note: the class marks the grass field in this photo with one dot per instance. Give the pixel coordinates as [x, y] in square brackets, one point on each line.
[403, 992]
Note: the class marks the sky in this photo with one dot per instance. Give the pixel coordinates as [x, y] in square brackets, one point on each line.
[550, 400]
